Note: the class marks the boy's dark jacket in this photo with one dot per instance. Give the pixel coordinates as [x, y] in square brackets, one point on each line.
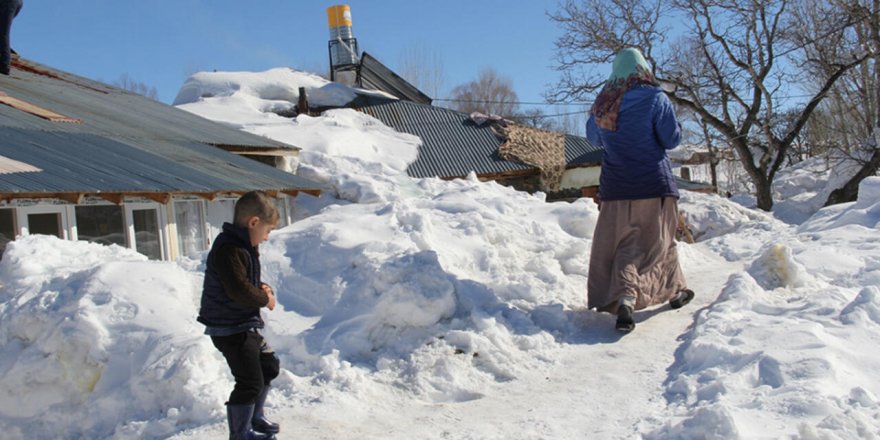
[231, 296]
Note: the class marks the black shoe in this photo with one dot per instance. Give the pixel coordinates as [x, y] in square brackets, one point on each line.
[684, 296]
[625, 322]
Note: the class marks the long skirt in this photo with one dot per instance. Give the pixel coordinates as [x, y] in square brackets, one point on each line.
[634, 254]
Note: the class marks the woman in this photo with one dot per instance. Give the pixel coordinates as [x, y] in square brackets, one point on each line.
[634, 262]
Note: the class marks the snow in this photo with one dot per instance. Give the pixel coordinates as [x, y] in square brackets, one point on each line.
[449, 309]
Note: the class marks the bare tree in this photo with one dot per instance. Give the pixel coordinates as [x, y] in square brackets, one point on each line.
[744, 63]
[853, 107]
[490, 93]
[126, 82]
[423, 67]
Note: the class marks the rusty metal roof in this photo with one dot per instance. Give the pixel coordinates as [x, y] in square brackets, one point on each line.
[117, 141]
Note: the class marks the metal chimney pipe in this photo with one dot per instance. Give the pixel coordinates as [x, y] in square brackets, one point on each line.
[342, 44]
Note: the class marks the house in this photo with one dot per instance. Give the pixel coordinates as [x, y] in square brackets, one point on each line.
[693, 164]
[82, 160]
[454, 145]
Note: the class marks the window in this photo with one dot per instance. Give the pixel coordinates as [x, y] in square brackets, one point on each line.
[45, 219]
[100, 224]
[219, 212]
[281, 204]
[7, 228]
[190, 227]
[146, 233]
[47, 224]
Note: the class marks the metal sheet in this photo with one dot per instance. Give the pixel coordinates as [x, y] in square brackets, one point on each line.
[453, 145]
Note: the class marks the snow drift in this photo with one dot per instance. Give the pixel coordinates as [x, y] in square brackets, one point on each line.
[434, 309]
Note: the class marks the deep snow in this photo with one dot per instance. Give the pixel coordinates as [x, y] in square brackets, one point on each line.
[417, 309]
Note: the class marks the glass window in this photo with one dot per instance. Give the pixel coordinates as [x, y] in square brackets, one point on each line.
[46, 224]
[146, 233]
[100, 224]
[281, 204]
[7, 228]
[190, 227]
[219, 212]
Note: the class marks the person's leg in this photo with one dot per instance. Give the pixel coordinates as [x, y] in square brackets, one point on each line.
[242, 353]
[271, 367]
[8, 10]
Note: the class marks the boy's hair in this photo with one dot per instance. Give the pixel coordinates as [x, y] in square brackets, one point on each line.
[255, 203]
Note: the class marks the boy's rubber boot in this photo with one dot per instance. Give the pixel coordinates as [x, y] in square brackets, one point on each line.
[239, 417]
[259, 422]
[625, 322]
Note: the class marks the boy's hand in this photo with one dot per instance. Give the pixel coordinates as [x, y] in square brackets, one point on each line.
[271, 294]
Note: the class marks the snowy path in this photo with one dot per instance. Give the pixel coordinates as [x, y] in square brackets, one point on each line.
[560, 401]
[557, 401]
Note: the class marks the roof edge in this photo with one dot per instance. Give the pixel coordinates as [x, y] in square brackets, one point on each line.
[163, 198]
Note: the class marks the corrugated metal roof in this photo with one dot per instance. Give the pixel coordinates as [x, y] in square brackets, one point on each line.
[374, 75]
[453, 145]
[125, 143]
[109, 111]
[88, 163]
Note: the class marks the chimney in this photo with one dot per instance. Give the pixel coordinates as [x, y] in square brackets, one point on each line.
[342, 45]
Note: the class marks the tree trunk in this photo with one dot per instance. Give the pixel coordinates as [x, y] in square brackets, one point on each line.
[763, 193]
[713, 171]
[850, 191]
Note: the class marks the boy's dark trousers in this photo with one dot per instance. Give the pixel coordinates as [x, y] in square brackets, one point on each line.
[252, 362]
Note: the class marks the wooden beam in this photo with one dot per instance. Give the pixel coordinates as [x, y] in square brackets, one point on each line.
[74, 198]
[207, 196]
[162, 198]
[260, 151]
[35, 110]
[116, 198]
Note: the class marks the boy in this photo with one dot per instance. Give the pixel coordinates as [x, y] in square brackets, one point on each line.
[230, 309]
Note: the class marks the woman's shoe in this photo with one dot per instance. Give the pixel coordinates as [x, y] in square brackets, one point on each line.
[684, 296]
[625, 322]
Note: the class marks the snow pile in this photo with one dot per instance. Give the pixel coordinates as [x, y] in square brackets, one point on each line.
[710, 215]
[783, 350]
[865, 212]
[95, 340]
[441, 295]
[357, 157]
[449, 309]
[275, 90]
[801, 190]
[464, 268]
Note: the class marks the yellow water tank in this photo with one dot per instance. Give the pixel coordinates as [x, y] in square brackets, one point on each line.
[338, 16]
[343, 45]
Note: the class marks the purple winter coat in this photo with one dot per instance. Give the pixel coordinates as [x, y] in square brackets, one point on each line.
[634, 163]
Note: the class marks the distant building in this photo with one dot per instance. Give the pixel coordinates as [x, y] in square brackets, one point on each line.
[82, 160]
[454, 145]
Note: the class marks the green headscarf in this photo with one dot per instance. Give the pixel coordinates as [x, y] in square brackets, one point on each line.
[628, 69]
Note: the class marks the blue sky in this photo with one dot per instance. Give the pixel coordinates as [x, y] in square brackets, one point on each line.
[161, 42]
